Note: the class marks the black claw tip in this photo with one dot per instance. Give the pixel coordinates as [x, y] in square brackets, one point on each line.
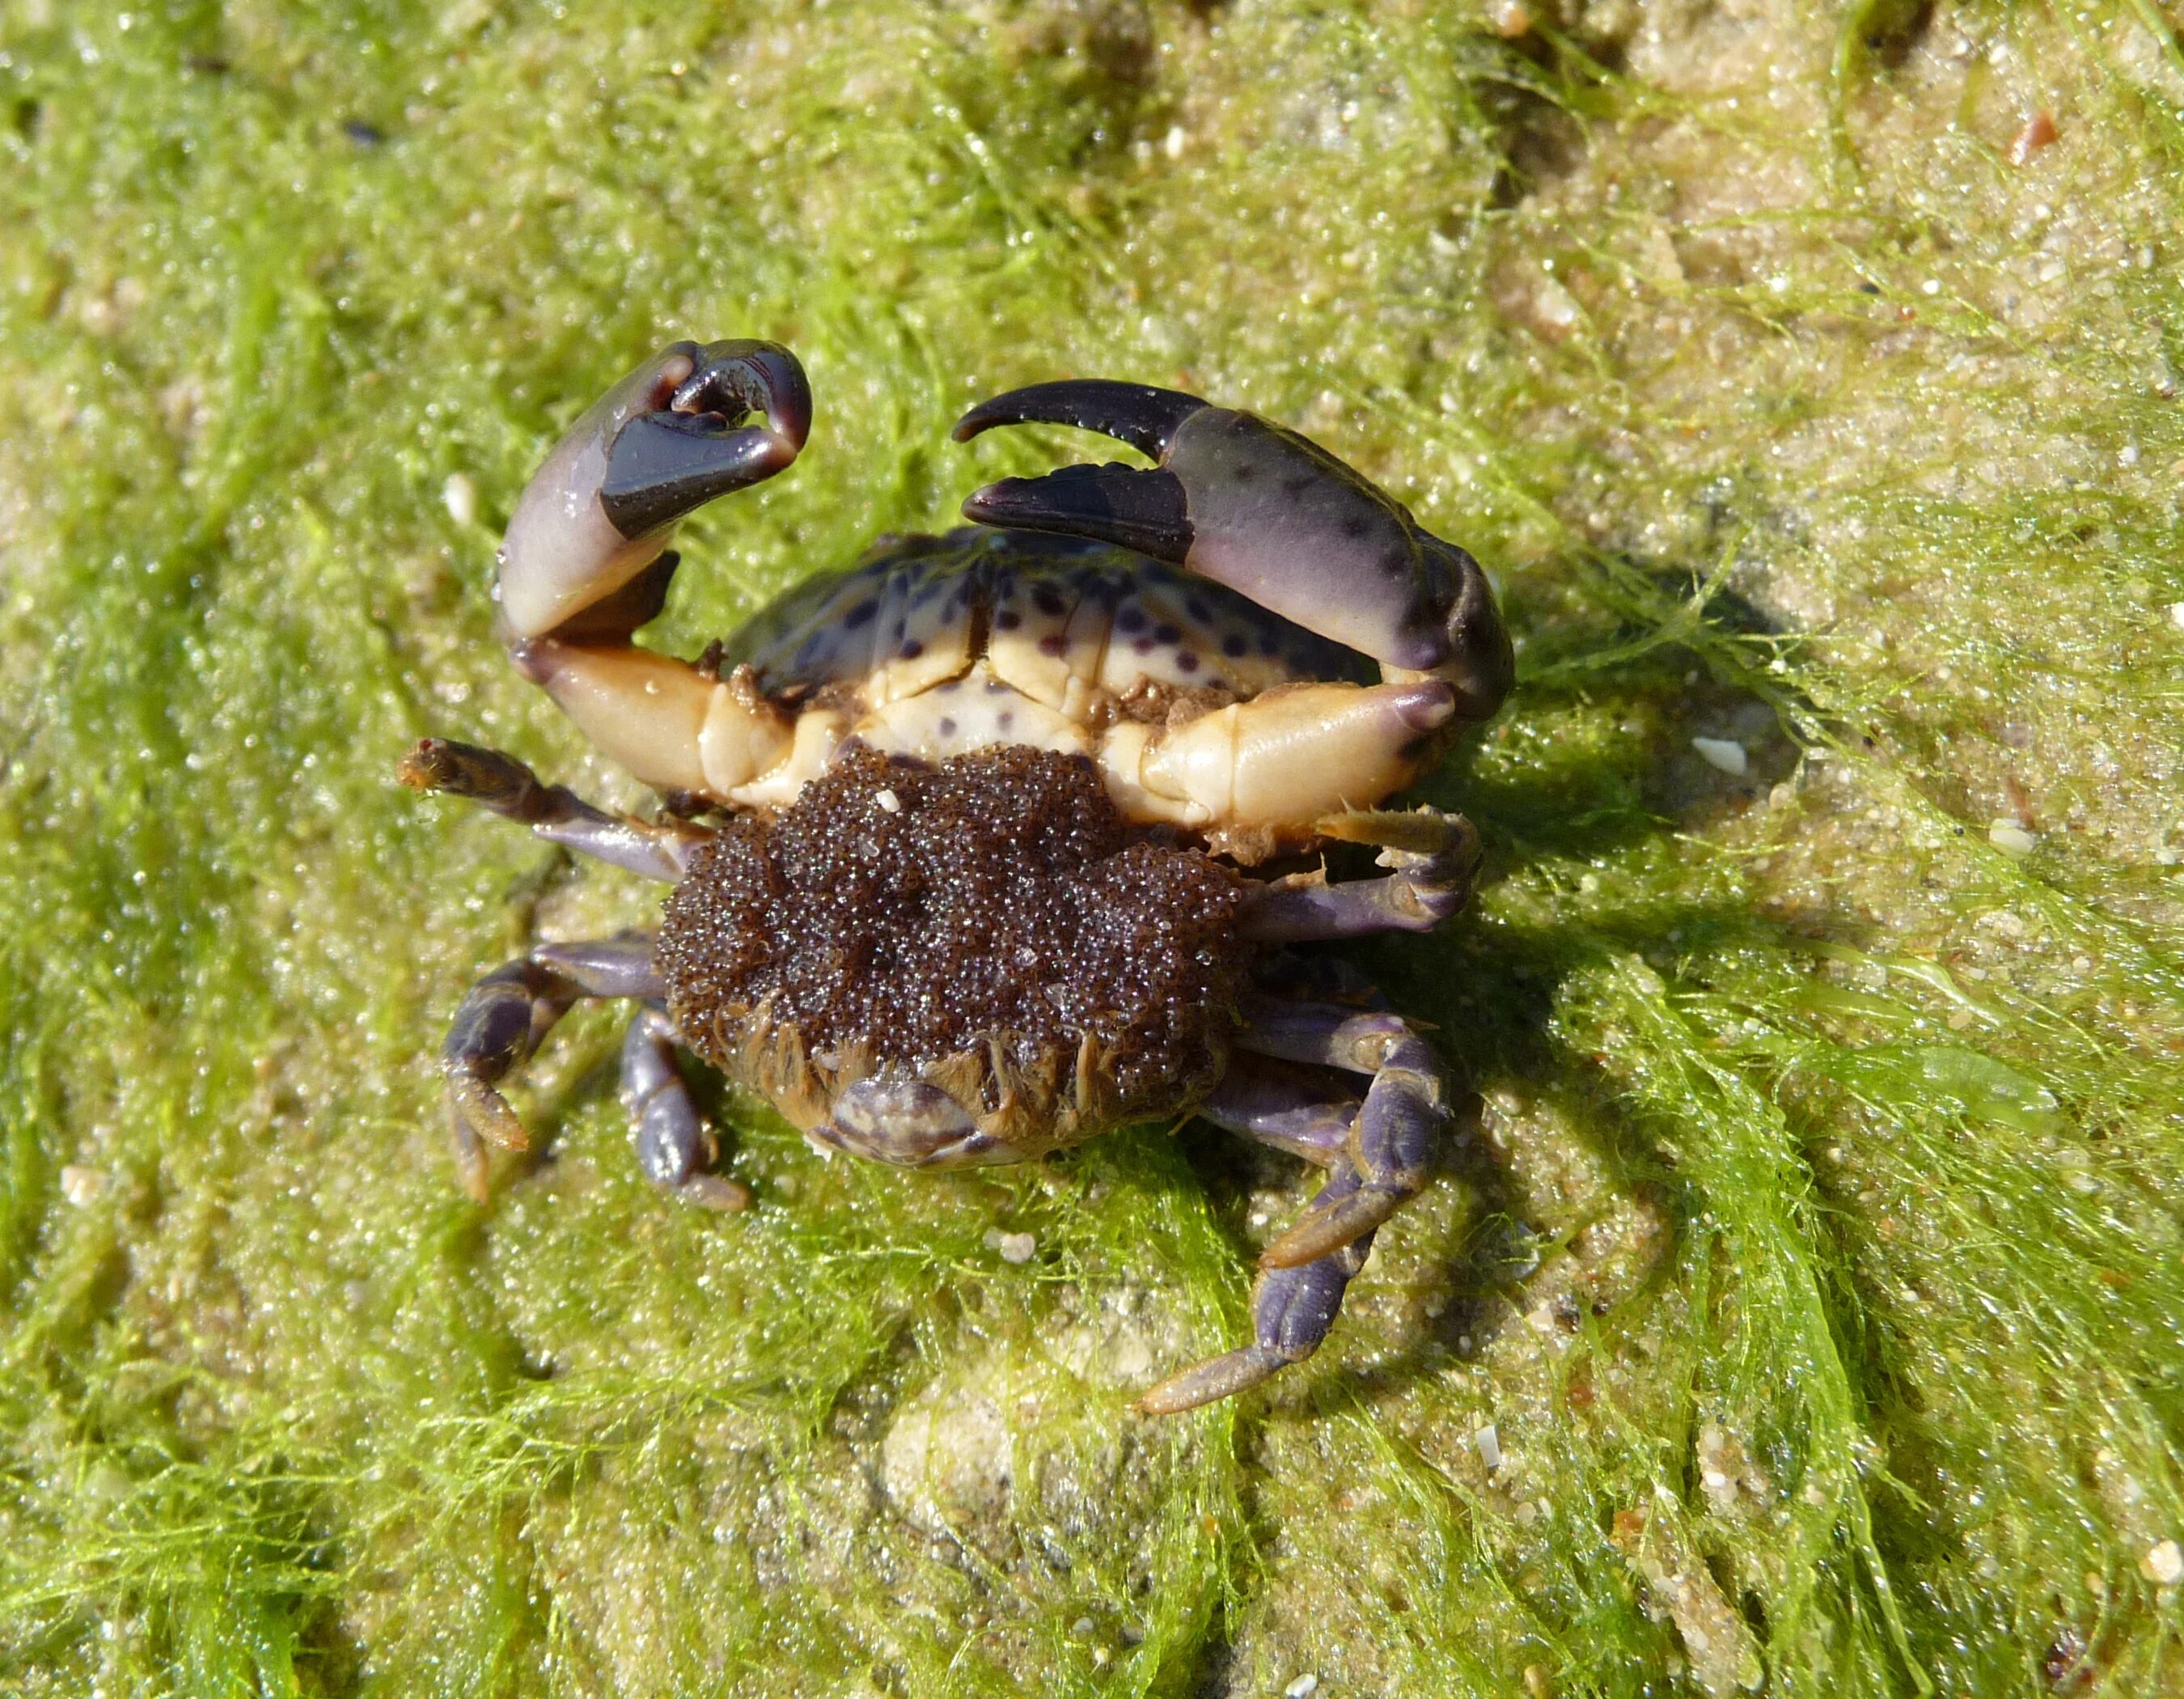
[1143, 510]
[663, 465]
[1138, 414]
[734, 378]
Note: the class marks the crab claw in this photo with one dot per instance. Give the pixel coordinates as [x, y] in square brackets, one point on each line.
[1268, 513]
[583, 553]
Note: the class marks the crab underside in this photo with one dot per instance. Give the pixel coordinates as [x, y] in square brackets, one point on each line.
[952, 834]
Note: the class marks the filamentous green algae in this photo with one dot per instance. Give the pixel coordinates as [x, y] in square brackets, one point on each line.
[1798, 1309]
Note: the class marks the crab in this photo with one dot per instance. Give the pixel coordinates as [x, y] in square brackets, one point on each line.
[977, 844]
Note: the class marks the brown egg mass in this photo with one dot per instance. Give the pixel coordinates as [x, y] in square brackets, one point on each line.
[920, 912]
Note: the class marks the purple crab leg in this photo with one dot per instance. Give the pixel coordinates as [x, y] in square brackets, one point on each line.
[1427, 886]
[1292, 1308]
[1262, 1100]
[1398, 1129]
[507, 1014]
[1268, 513]
[554, 812]
[674, 1146]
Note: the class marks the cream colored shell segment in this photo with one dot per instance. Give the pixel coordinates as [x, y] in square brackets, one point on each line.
[966, 644]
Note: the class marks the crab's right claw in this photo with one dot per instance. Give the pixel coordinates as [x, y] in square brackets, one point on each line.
[1267, 513]
[582, 559]
[662, 465]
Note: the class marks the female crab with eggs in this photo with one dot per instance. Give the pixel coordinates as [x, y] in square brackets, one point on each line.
[958, 835]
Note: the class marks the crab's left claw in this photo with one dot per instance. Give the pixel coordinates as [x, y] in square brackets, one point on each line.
[1268, 513]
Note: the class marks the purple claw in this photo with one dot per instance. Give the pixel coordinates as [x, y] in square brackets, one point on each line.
[580, 558]
[1268, 513]
[1143, 510]
[1138, 414]
[663, 464]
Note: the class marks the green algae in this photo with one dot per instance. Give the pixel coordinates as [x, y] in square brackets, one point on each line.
[1814, 1251]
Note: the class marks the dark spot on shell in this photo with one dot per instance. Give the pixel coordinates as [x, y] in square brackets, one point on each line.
[1008, 718]
[1143, 645]
[1296, 486]
[1165, 633]
[861, 615]
[947, 726]
[1234, 645]
[1397, 563]
[1186, 662]
[912, 649]
[1049, 602]
[1050, 643]
[1197, 609]
[1007, 620]
[1357, 526]
[1130, 620]
[1243, 471]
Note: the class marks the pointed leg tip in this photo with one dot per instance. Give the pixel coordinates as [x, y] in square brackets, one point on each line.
[484, 1113]
[1210, 1381]
[718, 1193]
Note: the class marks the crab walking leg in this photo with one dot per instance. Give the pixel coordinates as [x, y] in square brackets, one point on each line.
[1261, 1100]
[1397, 1130]
[585, 561]
[504, 1018]
[674, 1145]
[1282, 760]
[1268, 512]
[1292, 1309]
[1430, 882]
[554, 812]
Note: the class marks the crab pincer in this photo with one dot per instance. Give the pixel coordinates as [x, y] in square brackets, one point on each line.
[1268, 513]
[586, 560]
[596, 517]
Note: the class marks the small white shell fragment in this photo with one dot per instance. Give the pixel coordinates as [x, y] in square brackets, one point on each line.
[2176, 615]
[458, 495]
[889, 801]
[2163, 1562]
[1489, 1447]
[1018, 1248]
[1724, 753]
[1302, 1688]
[2011, 838]
[83, 1187]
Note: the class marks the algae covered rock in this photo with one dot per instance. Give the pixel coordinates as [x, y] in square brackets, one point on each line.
[1798, 1301]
